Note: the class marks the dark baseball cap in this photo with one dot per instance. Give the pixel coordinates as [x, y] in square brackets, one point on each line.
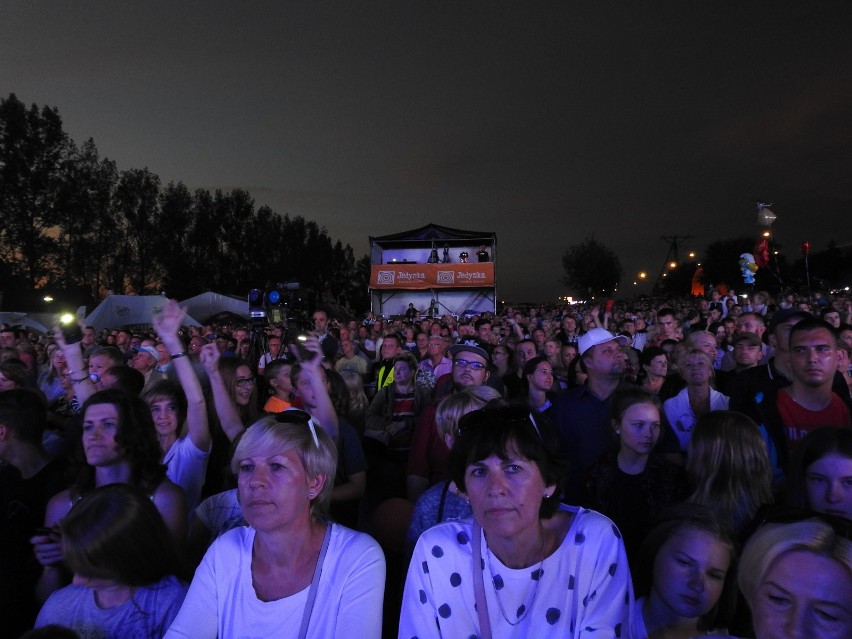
[472, 345]
[785, 314]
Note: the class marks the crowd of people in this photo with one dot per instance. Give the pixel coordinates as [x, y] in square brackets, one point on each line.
[647, 468]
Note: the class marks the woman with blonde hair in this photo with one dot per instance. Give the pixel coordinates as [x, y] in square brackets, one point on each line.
[797, 580]
[697, 399]
[442, 502]
[290, 573]
[358, 402]
[729, 466]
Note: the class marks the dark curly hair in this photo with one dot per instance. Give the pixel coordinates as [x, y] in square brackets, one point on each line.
[136, 438]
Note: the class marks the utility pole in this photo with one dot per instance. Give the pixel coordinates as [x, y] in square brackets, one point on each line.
[672, 257]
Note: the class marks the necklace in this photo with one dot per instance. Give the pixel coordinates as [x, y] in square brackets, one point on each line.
[527, 605]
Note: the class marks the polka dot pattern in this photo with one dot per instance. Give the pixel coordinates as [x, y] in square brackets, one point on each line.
[582, 592]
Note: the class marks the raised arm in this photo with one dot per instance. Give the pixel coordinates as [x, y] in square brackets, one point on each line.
[226, 407]
[324, 411]
[77, 367]
[167, 325]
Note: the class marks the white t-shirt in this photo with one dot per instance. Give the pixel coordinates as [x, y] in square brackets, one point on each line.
[221, 601]
[681, 418]
[186, 466]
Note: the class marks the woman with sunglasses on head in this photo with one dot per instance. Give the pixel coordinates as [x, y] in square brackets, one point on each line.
[797, 580]
[525, 565]
[235, 401]
[290, 573]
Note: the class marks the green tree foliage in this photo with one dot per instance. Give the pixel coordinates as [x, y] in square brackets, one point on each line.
[591, 269]
[71, 220]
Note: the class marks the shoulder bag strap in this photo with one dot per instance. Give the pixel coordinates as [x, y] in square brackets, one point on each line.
[312, 593]
[478, 586]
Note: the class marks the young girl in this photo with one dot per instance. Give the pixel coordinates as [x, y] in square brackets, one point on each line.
[821, 475]
[685, 579]
[633, 486]
[729, 467]
[124, 565]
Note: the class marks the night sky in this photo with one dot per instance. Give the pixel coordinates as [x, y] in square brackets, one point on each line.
[542, 122]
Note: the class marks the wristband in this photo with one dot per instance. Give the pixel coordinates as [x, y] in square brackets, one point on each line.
[178, 355]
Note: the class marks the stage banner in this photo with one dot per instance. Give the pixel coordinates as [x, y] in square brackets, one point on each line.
[425, 276]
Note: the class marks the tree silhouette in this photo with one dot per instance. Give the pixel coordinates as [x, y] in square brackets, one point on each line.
[73, 221]
[591, 269]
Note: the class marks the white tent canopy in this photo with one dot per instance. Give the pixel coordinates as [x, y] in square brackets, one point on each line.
[123, 310]
[23, 319]
[209, 304]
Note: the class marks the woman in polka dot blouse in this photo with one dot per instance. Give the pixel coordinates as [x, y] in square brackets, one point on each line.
[525, 565]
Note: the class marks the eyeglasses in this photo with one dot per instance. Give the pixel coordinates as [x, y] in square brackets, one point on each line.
[502, 415]
[464, 363]
[296, 416]
[242, 382]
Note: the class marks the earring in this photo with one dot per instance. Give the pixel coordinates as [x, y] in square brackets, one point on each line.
[618, 431]
[311, 495]
[546, 495]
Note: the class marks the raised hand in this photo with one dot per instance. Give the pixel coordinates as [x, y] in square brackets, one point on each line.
[168, 323]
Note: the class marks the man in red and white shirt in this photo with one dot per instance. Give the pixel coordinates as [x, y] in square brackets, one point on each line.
[809, 403]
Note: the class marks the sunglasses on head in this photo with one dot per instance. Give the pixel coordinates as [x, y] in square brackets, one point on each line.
[502, 415]
[296, 416]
